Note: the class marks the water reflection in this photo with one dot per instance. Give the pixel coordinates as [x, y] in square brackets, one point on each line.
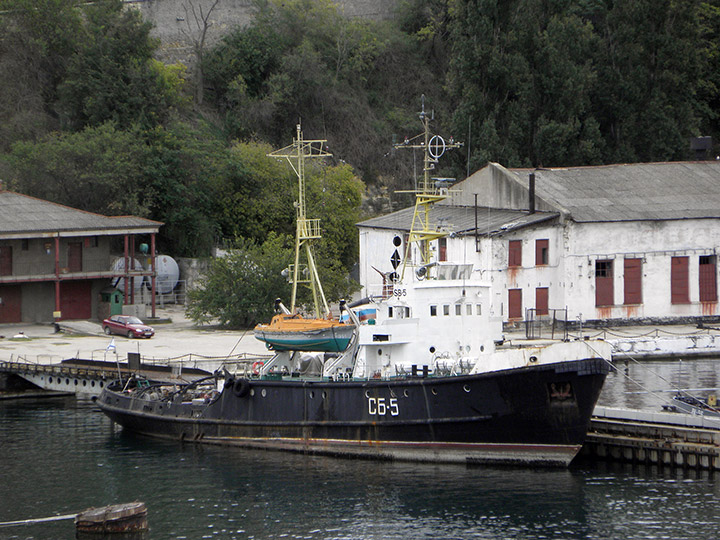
[63, 456]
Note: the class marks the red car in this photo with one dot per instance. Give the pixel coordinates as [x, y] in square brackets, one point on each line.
[127, 325]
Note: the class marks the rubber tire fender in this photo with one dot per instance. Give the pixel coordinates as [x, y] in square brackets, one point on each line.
[241, 387]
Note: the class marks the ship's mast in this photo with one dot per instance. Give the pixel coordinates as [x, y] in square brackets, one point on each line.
[307, 230]
[429, 191]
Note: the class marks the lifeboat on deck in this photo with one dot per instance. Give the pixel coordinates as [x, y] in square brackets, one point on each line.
[294, 333]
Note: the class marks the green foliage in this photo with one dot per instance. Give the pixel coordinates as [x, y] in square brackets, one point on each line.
[37, 38]
[568, 83]
[240, 288]
[301, 59]
[96, 170]
[111, 76]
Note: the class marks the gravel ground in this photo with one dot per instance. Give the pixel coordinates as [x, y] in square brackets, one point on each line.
[175, 336]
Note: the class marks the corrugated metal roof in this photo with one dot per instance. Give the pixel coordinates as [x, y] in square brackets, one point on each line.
[461, 219]
[642, 191]
[24, 214]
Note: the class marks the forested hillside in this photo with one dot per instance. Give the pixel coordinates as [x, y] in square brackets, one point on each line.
[88, 118]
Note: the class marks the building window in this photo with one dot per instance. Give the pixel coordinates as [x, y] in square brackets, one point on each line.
[25, 244]
[515, 304]
[478, 309]
[679, 273]
[541, 301]
[468, 309]
[708, 278]
[541, 252]
[604, 283]
[446, 309]
[442, 249]
[91, 241]
[433, 311]
[515, 253]
[458, 309]
[633, 281]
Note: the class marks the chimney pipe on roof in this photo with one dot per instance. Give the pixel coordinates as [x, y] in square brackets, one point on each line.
[531, 189]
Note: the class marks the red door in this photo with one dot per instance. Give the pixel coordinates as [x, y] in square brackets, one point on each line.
[74, 256]
[10, 304]
[604, 294]
[708, 279]
[679, 290]
[76, 300]
[515, 304]
[633, 281]
[541, 300]
[5, 260]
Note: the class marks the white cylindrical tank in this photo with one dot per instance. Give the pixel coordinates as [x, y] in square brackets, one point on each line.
[119, 267]
[168, 274]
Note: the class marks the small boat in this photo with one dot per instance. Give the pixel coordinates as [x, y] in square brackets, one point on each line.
[426, 377]
[288, 331]
[685, 403]
[295, 333]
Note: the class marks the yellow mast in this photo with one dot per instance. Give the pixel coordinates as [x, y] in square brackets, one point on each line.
[307, 230]
[428, 192]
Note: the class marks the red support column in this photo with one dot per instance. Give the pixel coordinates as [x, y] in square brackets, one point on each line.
[152, 268]
[132, 267]
[127, 278]
[58, 314]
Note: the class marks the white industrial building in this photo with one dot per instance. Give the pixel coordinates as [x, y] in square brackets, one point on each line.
[613, 244]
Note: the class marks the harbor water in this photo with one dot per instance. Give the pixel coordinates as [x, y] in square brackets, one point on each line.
[61, 456]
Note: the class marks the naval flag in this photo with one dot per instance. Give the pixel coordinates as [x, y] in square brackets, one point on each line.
[111, 345]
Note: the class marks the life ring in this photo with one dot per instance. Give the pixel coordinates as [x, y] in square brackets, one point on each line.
[257, 366]
[241, 387]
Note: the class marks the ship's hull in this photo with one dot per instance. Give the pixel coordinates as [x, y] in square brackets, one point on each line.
[532, 415]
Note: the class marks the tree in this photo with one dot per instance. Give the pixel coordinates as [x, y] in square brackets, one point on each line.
[37, 38]
[98, 170]
[523, 74]
[198, 35]
[112, 76]
[240, 288]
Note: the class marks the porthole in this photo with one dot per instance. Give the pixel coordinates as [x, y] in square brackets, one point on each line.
[367, 393]
[466, 388]
[324, 395]
[379, 352]
[252, 391]
[263, 392]
[92, 383]
[50, 380]
[102, 384]
[392, 393]
[432, 350]
[76, 382]
[67, 382]
[434, 391]
[312, 394]
[84, 383]
[406, 393]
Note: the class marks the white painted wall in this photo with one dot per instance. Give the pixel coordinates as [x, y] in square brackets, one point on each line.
[570, 273]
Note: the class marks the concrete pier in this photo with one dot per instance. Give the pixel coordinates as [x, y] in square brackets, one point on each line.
[667, 439]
